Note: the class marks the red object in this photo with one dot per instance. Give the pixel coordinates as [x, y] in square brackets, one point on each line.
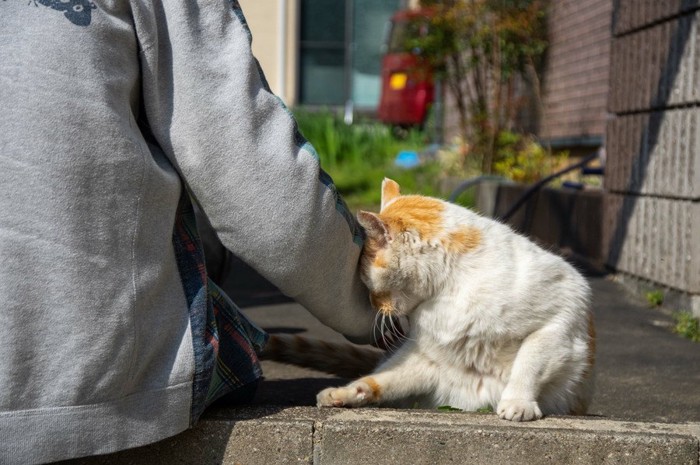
[407, 83]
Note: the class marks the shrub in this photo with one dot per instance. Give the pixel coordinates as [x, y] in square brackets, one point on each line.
[655, 298]
[687, 326]
[359, 156]
[364, 143]
[522, 159]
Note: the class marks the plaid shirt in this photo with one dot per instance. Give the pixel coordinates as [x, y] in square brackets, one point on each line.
[225, 342]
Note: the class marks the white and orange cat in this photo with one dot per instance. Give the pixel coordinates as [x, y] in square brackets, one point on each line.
[494, 319]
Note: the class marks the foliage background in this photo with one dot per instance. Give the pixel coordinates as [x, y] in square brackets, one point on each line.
[488, 54]
[359, 156]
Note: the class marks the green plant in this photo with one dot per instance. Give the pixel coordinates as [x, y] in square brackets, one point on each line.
[364, 143]
[655, 298]
[449, 408]
[360, 185]
[484, 51]
[687, 326]
[520, 158]
[359, 156]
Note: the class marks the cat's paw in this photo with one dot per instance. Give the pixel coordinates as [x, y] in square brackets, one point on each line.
[519, 410]
[353, 395]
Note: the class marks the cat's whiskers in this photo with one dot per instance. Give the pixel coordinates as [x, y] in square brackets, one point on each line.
[396, 333]
[383, 328]
[386, 342]
[377, 327]
[392, 328]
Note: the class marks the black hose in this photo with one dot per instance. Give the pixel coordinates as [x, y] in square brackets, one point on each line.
[536, 186]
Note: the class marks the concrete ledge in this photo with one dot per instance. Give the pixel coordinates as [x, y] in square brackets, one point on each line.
[270, 435]
[428, 438]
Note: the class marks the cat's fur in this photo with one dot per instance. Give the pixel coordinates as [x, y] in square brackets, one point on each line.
[494, 319]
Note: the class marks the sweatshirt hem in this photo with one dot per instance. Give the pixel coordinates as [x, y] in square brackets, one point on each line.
[60, 433]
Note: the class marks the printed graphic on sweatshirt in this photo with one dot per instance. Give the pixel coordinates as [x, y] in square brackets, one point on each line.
[78, 12]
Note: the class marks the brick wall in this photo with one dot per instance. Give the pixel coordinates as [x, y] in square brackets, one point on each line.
[652, 212]
[575, 83]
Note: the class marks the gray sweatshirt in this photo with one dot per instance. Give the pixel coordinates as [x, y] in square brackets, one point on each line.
[107, 107]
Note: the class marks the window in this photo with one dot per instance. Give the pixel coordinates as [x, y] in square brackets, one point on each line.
[340, 51]
[322, 52]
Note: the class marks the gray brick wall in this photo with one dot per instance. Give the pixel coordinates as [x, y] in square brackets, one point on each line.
[640, 77]
[655, 153]
[661, 241]
[635, 14]
[652, 208]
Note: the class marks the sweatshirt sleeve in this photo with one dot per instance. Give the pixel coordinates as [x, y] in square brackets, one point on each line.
[240, 153]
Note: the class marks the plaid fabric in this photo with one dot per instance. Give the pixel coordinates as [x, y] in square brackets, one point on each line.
[225, 342]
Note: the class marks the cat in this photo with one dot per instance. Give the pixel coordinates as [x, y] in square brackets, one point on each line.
[494, 320]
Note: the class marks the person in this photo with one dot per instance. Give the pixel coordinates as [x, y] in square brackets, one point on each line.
[117, 116]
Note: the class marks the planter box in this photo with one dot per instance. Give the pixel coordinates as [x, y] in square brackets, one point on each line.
[567, 220]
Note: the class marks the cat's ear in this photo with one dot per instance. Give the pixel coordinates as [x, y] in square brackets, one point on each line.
[374, 227]
[390, 190]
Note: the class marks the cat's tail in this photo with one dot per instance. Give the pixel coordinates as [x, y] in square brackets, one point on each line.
[341, 359]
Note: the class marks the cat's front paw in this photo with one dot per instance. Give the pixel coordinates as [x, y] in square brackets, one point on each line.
[519, 410]
[353, 395]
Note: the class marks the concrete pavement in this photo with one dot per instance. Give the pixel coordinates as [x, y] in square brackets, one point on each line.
[646, 410]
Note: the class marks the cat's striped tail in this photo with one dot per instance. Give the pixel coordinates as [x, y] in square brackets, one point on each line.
[341, 359]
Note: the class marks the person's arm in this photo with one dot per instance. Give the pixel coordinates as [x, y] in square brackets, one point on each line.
[238, 150]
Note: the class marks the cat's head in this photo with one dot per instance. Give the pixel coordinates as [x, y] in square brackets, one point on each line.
[408, 246]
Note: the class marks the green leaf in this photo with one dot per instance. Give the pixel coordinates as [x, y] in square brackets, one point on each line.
[687, 326]
[655, 298]
[449, 408]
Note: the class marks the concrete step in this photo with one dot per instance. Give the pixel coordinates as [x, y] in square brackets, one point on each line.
[645, 375]
[272, 435]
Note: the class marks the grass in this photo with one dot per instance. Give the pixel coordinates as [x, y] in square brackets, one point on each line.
[655, 298]
[687, 326]
[359, 156]
[361, 185]
[449, 408]
[362, 143]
